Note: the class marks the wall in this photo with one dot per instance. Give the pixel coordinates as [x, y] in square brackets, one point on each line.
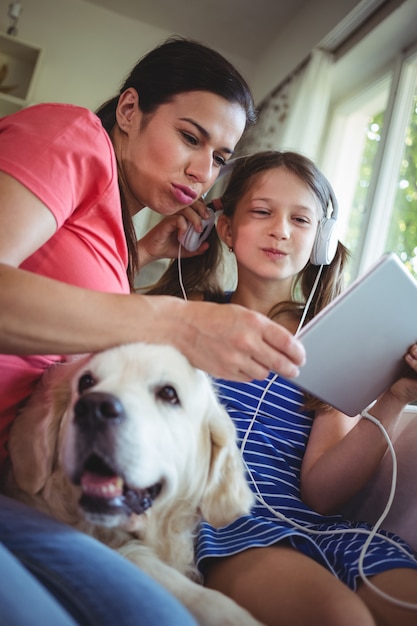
[86, 51]
[295, 41]
[89, 50]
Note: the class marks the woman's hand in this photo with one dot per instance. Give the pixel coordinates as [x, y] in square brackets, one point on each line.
[229, 342]
[161, 242]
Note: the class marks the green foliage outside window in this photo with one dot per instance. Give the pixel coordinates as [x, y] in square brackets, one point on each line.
[402, 237]
[373, 136]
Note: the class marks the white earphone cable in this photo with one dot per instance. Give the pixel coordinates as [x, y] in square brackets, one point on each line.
[310, 297]
[401, 603]
[184, 294]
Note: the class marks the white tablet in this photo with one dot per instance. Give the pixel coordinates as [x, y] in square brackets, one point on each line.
[355, 347]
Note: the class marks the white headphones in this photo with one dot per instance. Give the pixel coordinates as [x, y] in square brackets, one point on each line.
[325, 243]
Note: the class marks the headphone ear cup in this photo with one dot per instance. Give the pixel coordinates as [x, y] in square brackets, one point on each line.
[325, 243]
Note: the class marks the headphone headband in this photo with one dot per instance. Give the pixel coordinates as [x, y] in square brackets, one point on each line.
[325, 243]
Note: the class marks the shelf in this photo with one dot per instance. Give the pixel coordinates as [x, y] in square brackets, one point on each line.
[19, 61]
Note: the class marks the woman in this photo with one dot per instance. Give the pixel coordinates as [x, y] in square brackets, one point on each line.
[65, 184]
[70, 182]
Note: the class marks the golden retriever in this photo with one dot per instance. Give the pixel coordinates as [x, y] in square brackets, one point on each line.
[132, 446]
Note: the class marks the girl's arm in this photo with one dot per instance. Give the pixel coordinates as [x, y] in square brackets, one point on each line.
[39, 315]
[343, 452]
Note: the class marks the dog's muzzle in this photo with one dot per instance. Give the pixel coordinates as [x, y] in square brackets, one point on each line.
[97, 418]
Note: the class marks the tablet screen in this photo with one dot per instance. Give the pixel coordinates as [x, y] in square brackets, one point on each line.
[355, 347]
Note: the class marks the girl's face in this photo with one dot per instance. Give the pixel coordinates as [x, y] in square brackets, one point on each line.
[274, 225]
[170, 158]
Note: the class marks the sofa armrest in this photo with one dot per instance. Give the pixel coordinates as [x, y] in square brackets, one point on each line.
[369, 504]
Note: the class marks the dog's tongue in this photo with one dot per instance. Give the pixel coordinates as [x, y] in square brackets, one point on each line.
[101, 486]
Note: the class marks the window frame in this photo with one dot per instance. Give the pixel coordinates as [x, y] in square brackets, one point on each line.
[383, 184]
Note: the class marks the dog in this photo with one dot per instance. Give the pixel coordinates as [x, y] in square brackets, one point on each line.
[132, 446]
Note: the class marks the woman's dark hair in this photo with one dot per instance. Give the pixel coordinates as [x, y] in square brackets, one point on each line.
[176, 66]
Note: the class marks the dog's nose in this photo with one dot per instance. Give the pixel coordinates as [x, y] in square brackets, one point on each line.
[95, 407]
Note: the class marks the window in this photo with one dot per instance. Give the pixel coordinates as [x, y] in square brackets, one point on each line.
[354, 139]
[371, 158]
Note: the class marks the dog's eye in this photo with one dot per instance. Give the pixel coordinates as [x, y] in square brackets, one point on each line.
[86, 381]
[167, 394]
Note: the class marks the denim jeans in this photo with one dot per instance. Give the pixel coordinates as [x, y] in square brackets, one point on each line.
[53, 574]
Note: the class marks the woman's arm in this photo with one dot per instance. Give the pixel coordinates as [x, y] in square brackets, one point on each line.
[42, 316]
[39, 315]
[343, 452]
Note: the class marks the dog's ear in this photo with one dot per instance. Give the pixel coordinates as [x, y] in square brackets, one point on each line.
[34, 433]
[227, 494]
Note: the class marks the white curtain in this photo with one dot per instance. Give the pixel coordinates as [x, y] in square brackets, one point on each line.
[293, 116]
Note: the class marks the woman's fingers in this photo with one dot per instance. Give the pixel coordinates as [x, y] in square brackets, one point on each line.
[240, 344]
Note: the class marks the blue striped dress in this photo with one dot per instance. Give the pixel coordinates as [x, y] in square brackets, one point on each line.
[273, 453]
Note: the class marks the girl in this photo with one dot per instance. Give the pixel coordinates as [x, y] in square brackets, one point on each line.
[304, 459]
[70, 182]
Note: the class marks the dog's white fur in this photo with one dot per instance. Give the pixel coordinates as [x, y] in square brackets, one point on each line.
[174, 432]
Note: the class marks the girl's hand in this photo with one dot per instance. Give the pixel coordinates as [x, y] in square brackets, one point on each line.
[405, 389]
[161, 242]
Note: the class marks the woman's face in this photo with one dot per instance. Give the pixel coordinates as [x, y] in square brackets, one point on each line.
[274, 225]
[170, 158]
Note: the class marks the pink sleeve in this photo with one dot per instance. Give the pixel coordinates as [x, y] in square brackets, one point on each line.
[53, 149]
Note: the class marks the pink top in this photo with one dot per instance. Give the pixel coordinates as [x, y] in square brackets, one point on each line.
[65, 157]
